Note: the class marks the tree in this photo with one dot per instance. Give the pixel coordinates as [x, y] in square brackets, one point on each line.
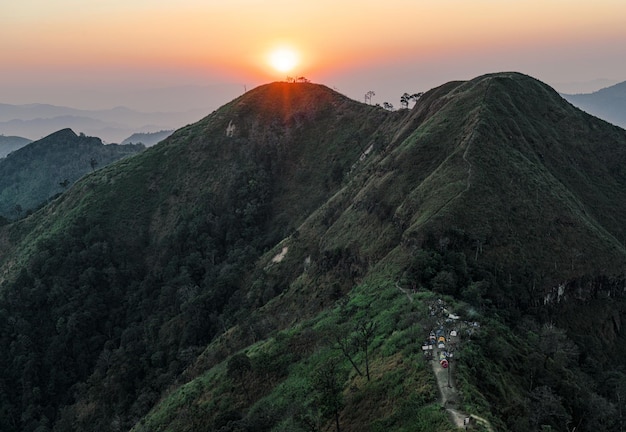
[94, 163]
[238, 369]
[65, 183]
[415, 96]
[404, 100]
[445, 282]
[388, 106]
[556, 347]
[546, 409]
[346, 343]
[329, 390]
[350, 344]
[365, 335]
[368, 97]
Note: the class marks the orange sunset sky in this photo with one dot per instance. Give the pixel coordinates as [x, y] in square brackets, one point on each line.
[95, 54]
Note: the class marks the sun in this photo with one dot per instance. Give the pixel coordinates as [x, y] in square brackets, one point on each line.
[283, 59]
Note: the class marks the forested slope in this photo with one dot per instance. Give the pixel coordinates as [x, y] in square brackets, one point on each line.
[36, 172]
[220, 279]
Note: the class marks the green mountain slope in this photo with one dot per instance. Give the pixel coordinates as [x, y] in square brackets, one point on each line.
[503, 171]
[209, 282]
[39, 170]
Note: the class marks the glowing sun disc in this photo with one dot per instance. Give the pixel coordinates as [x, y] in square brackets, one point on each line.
[283, 59]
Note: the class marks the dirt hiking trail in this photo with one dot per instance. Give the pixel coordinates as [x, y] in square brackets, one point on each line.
[449, 394]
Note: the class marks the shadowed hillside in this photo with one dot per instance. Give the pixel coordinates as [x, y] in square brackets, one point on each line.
[36, 172]
[275, 267]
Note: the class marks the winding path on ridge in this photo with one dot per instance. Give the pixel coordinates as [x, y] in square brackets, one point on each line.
[447, 390]
[445, 382]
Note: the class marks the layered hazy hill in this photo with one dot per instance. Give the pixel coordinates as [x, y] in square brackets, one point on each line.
[148, 139]
[11, 143]
[608, 103]
[291, 218]
[37, 171]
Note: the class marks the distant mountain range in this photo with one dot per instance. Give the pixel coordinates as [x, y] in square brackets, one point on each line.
[608, 103]
[34, 121]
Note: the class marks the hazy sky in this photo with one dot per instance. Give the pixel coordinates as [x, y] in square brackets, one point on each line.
[102, 53]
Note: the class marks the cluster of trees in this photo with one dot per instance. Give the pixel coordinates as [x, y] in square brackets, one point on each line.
[299, 79]
[535, 377]
[405, 99]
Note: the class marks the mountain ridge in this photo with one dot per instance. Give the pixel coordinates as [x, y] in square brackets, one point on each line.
[291, 215]
[41, 169]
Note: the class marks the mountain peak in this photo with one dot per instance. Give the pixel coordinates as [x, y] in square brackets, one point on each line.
[283, 99]
[65, 134]
[514, 144]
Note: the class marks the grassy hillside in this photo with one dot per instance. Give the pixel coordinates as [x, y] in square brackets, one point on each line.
[211, 281]
[36, 172]
[505, 172]
[178, 226]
